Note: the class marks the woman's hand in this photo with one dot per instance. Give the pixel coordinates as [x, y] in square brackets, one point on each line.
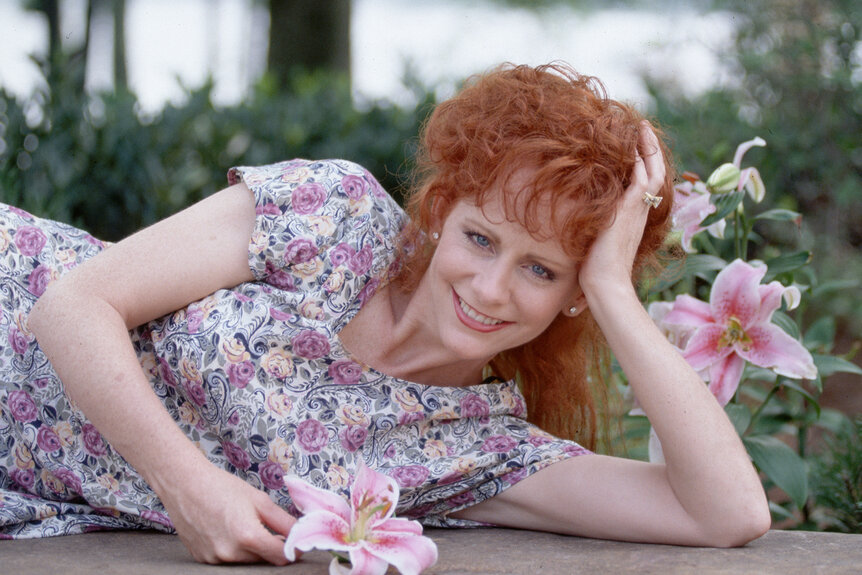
[222, 519]
[613, 253]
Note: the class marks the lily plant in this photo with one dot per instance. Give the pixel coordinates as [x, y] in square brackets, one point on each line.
[739, 336]
[363, 527]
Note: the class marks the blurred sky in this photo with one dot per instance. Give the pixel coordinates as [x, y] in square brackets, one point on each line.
[172, 41]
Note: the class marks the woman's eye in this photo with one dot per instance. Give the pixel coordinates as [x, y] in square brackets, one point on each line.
[541, 272]
[479, 240]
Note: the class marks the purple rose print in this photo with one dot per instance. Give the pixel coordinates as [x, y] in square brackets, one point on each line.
[29, 240]
[360, 262]
[38, 280]
[24, 214]
[575, 450]
[22, 406]
[47, 439]
[451, 477]
[271, 475]
[368, 291]
[93, 442]
[474, 406]
[300, 250]
[307, 198]
[235, 454]
[514, 477]
[311, 435]
[70, 479]
[279, 315]
[352, 437]
[354, 186]
[166, 373]
[341, 254]
[463, 498]
[18, 341]
[194, 318]
[239, 374]
[410, 475]
[157, 517]
[23, 477]
[499, 444]
[279, 278]
[408, 417]
[195, 391]
[310, 344]
[267, 209]
[345, 372]
[538, 440]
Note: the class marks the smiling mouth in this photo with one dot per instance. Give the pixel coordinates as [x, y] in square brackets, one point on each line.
[473, 319]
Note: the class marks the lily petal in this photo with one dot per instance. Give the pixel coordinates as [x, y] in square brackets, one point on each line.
[724, 377]
[365, 562]
[309, 498]
[772, 348]
[371, 489]
[735, 293]
[792, 297]
[770, 300]
[703, 348]
[399, 525]
[689, 311]
[410, 554]
[752, 182]
[744, 147]
[320, 529]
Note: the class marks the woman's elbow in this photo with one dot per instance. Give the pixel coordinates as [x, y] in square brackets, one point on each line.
[741, 525]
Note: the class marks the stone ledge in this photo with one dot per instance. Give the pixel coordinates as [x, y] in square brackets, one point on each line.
[474, 551]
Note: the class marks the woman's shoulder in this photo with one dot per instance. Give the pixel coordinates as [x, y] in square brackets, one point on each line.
[307, 187]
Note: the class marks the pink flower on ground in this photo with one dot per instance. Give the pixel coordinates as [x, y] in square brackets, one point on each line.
[364, 528]
[735, 327]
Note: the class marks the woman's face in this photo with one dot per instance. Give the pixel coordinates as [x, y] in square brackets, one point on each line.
[493, 285]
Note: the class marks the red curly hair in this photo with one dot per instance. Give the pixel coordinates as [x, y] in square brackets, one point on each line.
[577, 148]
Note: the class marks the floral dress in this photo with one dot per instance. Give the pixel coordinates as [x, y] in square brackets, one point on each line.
[256, 375]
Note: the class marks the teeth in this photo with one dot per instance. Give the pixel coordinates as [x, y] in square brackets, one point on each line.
[475, 315]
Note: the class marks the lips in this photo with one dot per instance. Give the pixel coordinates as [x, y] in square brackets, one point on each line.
[473, 319]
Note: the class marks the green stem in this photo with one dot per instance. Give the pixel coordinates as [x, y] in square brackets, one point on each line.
[759, 410]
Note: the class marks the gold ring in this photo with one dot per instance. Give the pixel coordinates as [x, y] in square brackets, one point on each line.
[651, 200]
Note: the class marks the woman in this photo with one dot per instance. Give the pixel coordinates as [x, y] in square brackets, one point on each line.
[299, 321]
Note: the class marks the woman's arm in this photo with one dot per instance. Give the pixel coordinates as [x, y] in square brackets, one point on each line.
[82, 323]
[707, 492]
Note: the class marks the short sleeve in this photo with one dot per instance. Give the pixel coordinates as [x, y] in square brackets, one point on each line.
[324, 228]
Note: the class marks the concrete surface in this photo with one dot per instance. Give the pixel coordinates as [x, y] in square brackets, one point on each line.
[473, 551]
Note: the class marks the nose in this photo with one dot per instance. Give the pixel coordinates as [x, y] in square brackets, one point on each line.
[492, 284]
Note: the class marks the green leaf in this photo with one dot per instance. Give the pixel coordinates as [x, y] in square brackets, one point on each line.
[786, 263]
[781, 464]
[698, 264]
[833, 286]
[740, 416]
[724, 204]
[829, 364]
[795, 386]
[784, 321]
[821, 334]
[779, 215]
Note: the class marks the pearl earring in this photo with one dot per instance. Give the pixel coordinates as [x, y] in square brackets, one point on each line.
[435, 236]
[573, 310]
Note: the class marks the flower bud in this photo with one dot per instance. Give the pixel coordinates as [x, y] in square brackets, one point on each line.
[724, 179]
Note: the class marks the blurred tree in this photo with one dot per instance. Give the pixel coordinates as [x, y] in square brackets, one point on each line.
[308, 35]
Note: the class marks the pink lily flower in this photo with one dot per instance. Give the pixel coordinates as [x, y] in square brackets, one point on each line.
[364, 528]
[735, 327]
[690, 206]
